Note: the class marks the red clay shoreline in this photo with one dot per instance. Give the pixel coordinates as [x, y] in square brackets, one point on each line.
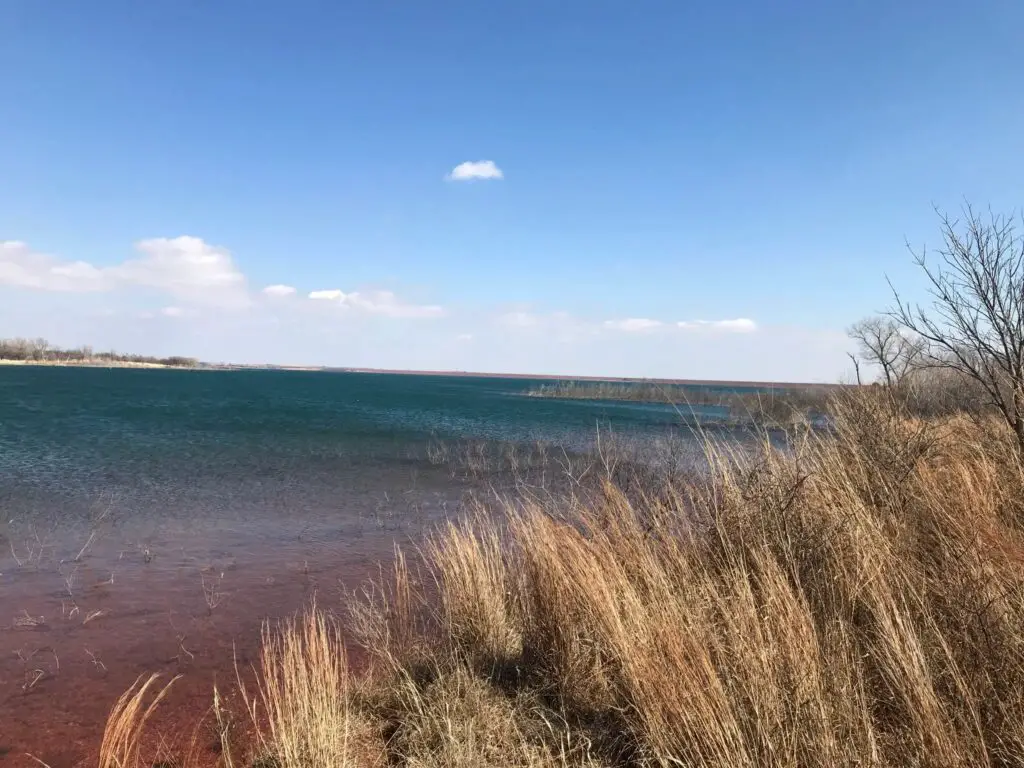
[185, 599]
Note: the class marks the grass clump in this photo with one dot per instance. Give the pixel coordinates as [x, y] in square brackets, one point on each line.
[305, 693]
[127, 720]
[857, 599]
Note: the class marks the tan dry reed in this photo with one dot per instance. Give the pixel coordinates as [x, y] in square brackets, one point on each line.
[857, 600]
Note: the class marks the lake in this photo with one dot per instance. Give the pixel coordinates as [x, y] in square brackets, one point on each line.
[199, 443]
[152, 520]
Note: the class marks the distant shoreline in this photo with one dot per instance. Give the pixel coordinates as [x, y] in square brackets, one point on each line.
[562, 377]
[202, 366]
[622, 379]
[89, 364]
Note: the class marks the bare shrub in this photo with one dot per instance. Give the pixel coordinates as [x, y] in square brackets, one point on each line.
[974, 325]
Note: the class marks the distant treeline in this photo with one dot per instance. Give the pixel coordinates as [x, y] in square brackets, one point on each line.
[41, 351]
[773, 405]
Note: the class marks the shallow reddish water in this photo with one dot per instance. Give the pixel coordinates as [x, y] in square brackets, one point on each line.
[75, 635]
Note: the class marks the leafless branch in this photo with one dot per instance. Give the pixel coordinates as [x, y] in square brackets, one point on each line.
[974, 323]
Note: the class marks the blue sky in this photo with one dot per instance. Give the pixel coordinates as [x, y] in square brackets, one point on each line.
[661, 163]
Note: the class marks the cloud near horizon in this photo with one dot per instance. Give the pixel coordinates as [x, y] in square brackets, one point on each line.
[196, 301]
[21, 267]
[279, 290]
[640, 324]
[633, 324]
[523, 319]
[186, 268]
[383, 303]
[480, 169]
[330, 295]
[519, 319]
[739, 325]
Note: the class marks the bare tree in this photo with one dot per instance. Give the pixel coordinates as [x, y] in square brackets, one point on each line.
[39, 348]
[883, 342]
[974, 325]
[14, 349]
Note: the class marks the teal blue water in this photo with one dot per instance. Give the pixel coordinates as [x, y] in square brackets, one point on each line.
[164, 441]
[132, 493]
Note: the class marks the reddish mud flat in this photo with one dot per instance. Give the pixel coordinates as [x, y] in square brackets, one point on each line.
[75, 635]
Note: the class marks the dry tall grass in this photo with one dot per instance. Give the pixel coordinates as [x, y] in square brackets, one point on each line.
[856, 601]
[305, 693]
[126, 722]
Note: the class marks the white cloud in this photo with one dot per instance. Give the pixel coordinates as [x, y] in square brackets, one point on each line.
[188, 269]
[480, 169]
[558, 326]
[21, 267]
[739, 325]
[279, 290]
[184, 267]
[329, 295]
[566, 326]
[384, 303]
[173, 312]
[519, 319]
[633, 324]
[171, 281]
[637, 324]
[387, 304]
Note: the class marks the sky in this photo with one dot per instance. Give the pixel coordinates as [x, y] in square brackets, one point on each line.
[582, 187]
